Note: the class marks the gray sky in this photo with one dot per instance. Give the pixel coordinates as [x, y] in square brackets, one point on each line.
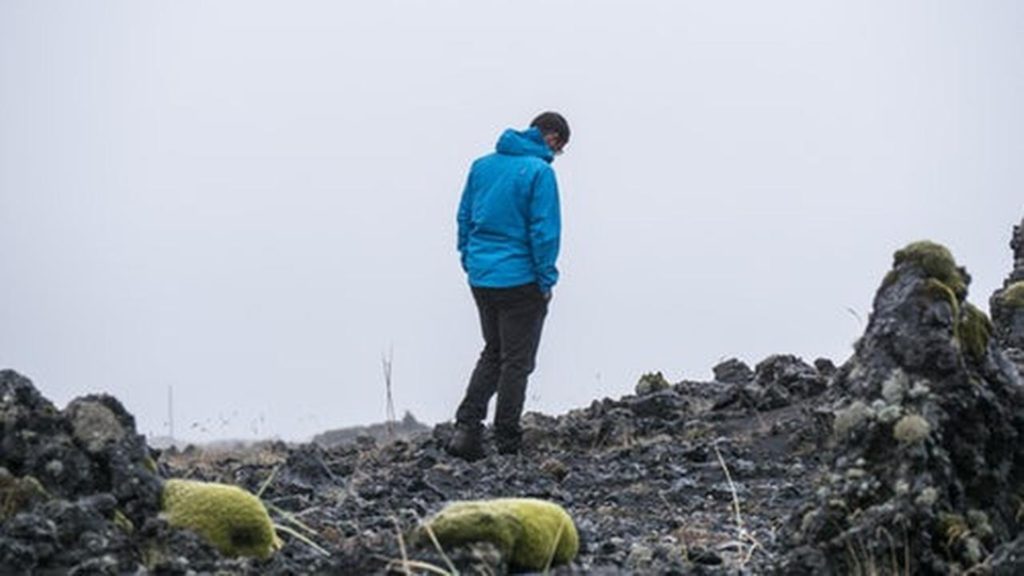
[251, 201]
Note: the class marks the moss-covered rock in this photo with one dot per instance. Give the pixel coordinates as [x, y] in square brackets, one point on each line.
[17, 494]
[936, 261]
[230, 518]
[937, 290]
[1013, 296]
[652, 382]
[533, 534]
[974, 331]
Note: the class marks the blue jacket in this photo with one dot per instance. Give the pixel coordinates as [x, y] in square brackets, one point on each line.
[509, 219]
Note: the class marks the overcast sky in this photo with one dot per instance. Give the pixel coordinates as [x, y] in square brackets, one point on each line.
[252, 201]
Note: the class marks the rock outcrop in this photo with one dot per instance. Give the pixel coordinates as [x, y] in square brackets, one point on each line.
[925, 458]
[79, 482]
[1007, 304]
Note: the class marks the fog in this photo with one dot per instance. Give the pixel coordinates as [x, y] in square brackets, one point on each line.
[250, 202]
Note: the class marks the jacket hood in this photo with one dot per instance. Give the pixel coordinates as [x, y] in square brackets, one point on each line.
[528, 142]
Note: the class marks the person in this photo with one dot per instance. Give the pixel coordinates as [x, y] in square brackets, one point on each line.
[509, 228]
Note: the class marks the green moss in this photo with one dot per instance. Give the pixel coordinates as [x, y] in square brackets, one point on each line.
[936, 261]
[230, 518]
[122, 522]
[531, 533]
[18, 494]
[652, 382]
[975, 329]
[1013, 295]
[938, 290]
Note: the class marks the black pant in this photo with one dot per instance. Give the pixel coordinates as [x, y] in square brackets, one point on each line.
[511, 320]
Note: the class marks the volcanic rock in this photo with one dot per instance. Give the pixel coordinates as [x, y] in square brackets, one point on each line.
[733, 371]
[927, 436]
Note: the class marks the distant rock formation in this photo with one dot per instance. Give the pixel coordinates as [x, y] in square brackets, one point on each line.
[405, 428]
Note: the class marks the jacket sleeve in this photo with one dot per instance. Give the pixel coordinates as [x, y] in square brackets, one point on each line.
[463, 218]
[545, 228]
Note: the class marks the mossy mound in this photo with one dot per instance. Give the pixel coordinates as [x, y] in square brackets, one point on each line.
[974, 331]
[652, 382]
[936, 261]
[230, 518]
[1013, 295]
[531, 533]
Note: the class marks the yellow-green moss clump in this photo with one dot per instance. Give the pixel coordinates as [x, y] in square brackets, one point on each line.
[937, 290]
[1013, 296]
[532, 534]
[936, 261]
[652, 382]
[975, 329]
[230, 518]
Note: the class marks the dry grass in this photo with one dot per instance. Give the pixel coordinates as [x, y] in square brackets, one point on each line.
[745, 539]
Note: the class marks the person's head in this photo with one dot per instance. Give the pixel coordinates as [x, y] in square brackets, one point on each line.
[554, 128]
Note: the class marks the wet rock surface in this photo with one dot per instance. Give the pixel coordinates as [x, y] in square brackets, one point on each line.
[905, 459]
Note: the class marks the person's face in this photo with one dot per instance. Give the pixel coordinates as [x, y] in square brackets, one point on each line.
[554, 142]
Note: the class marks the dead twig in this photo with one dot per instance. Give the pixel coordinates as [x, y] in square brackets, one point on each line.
[437, 546]
[302, 538]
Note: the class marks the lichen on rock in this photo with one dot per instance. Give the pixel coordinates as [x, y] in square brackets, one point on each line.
[911, 429]
[229, 517]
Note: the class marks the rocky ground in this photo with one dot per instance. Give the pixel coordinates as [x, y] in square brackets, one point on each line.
[906, 459]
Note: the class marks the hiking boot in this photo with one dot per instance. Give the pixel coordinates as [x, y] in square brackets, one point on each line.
[467, 442]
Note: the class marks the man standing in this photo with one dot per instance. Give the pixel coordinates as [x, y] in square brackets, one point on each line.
[509, 229]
